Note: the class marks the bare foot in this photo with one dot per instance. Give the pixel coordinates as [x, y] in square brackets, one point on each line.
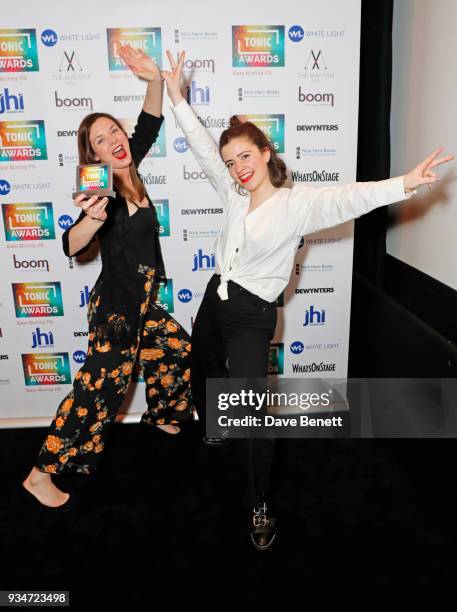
[40, 485]
[170, 429]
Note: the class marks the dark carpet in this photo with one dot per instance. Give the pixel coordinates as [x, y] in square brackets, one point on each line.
[361, 522]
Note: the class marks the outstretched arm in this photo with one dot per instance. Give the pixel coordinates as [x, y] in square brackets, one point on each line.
[150, 119]
[202, 144]
[311, 209]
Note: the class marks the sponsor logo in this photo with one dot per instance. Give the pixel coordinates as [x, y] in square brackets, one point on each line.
[315, 98]
[272, 126]
[18, 51]
[180, 145]
[22, 141]
[198, 234]
[329, 240]
[213, 122]
[148, 40]
[165, 295]
[46, 369]
[314, 317]
[317, 176]
[193, 35]
[276, 359]
[199, 65]
[79, 356]
[313, 367]
[316, 127]
[197, 96]
[195, 175]
[163, 216]
[257, 93]
[257, 46]
[316, 68]
[203, 262]
[10, 103]
[70, 62]
[314, 152]
[185, 295]
[202, 211]
[32, 264]
[297, 347]
[65, 133]
[315, 290]
[49, 38]
[28, 221]
[154, 179]
[5, 187]
[40, 339]
[65, 221]
[159, 148]
[37, 299]
[296, 33]
[84, 296]
[74, 103]
[299, 268]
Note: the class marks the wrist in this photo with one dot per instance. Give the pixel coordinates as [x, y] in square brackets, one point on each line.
[177, 98]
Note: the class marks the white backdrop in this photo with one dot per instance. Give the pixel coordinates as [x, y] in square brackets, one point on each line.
[292, 68]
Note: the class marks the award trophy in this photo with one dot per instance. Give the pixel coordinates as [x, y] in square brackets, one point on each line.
[94, 180]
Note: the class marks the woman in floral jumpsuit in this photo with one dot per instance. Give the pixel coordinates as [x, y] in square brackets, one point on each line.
[128, 330]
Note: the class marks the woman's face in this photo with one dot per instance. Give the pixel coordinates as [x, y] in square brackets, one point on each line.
[246, 163]
[110, 144]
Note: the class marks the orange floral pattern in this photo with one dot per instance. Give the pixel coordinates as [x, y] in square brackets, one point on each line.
[160, 356]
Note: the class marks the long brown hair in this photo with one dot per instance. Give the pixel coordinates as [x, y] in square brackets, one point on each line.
[87, 156]
[246, 129]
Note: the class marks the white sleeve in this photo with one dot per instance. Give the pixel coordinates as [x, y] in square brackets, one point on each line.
[205, 150]
[310, 209]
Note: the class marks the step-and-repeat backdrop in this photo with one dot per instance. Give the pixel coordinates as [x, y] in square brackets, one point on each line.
[292, 69]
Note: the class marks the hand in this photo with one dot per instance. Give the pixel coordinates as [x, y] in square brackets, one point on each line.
[94, 207]
[140, 64]
[173, 78]
[423, 173]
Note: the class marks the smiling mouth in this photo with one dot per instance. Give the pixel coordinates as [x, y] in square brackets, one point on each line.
[245, 178]
[119, 152]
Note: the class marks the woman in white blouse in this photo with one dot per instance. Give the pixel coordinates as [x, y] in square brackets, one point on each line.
[254, 253]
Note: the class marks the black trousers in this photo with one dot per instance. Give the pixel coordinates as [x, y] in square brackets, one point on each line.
[231, 338]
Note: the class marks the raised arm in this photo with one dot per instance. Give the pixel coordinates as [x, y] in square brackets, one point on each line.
[312, 209]
[150, 118]
[202, 144]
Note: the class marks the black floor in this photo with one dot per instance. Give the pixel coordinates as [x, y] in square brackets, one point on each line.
[362, 522]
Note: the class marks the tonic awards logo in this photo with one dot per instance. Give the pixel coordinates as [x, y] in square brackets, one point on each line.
[148, 40]
[272, 126]
[18, 51]
[257, 46]
[22, 141]
[37, 299]
[276, 361]
[28, 221]
[165, 296]
[163, 216]
[46, 369]
[159, 148]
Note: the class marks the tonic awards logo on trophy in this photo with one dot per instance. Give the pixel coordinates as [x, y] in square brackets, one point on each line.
[94, 180]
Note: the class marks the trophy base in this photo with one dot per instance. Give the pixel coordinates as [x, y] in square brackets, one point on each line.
[105, 193]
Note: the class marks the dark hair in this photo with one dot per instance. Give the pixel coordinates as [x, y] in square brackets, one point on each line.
[87, 156]
[247, 129]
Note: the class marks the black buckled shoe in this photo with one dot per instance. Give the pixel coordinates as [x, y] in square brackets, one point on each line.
[222, 440]
[263, 529]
